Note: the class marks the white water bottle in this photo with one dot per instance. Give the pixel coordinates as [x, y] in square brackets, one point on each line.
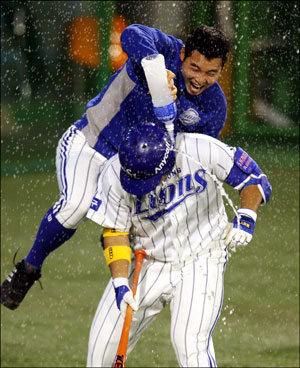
[156, 75]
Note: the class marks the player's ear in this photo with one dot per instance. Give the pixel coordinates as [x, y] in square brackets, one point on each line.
[182, 53]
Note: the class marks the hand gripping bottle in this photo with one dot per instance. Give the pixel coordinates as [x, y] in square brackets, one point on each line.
[163, 104]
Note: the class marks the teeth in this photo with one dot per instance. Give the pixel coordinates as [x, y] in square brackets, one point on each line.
[196, 85]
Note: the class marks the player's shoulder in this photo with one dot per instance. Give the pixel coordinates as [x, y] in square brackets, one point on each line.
[214, 95]
[198, 137]
[201, 142]
[216, 89]
[111, 167]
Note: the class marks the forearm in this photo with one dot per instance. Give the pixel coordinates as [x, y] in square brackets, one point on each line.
[118, 268]
[118, 255]
[251, 197]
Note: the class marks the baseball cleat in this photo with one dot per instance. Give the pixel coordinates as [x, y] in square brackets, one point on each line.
[17, 284]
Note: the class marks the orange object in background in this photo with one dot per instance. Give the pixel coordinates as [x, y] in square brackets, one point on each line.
[117, 56]
[84, 41]
[225, 81]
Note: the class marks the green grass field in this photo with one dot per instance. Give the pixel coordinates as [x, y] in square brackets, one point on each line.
[259, 325]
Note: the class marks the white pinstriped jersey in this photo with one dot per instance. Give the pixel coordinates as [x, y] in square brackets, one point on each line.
[183, 215]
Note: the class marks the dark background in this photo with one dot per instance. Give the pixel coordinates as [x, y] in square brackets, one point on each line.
[44, 89]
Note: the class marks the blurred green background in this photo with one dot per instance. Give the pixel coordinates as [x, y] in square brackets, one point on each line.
[44, 89]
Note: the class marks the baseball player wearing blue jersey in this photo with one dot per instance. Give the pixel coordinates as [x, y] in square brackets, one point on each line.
[170, 205]
[194, 69]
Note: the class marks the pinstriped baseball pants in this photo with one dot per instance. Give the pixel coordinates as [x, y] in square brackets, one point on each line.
[78, 167]
[194, 290]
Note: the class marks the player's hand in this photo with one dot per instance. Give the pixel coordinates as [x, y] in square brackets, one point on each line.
[171, 85]
[124, 295]
[240, 234]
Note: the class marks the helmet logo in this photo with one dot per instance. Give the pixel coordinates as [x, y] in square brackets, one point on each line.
[165, 158]
[132, 174]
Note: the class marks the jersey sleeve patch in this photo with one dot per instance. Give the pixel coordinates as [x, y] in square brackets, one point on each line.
[244, 161]
[242, 168]
[95, 204]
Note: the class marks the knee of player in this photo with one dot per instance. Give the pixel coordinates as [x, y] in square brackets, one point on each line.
[72, 213]
[188, 343]
[179, 339]
[77, 207]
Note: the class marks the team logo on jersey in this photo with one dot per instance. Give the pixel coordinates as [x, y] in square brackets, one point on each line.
[173, 194]
[95, 204]
[189, 117]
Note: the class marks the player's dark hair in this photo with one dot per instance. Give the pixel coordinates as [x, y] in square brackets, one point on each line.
[210, 42]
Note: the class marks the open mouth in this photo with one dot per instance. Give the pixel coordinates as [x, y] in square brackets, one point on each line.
[195, 87]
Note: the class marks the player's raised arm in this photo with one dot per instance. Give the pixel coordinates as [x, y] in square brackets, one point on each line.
[117, 254]
[139, 41]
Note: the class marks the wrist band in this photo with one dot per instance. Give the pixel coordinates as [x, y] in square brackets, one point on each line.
[248, 212]
[112, 232]
[117, 252]
[119, 281]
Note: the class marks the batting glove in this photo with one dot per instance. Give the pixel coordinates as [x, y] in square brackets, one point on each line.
[124, 295]
[240, 234]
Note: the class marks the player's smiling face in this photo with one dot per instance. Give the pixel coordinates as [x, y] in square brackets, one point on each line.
[198, 72]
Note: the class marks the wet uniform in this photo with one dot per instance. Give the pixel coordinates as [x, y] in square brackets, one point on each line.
[179, 225]
[124, 102]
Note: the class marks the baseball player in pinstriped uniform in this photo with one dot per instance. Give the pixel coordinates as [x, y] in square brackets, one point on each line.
[195, 67]
[170, 204]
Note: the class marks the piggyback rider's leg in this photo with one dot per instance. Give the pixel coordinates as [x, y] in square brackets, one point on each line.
[78, 168]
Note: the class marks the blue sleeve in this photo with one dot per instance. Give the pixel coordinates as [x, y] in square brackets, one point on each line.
[139, 41]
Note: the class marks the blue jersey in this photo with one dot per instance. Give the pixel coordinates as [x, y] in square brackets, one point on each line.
[126, 101]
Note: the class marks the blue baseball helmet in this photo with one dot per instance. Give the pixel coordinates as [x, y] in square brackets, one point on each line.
[146, 154]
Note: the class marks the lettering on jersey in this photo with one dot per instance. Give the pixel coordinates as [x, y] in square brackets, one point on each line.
[174, 193]
[174, 172]
[244, 161]
[189, 117]
[95, 204]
